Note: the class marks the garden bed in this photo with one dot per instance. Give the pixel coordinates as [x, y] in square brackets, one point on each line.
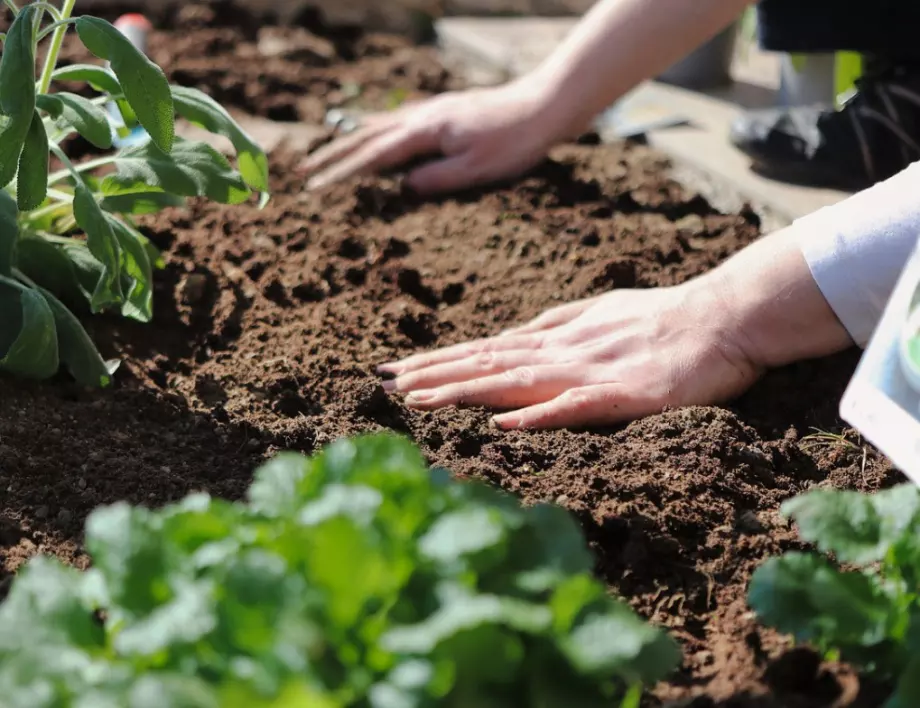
[269, 325]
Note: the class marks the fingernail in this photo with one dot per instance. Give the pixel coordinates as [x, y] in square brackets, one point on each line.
[315, 183]
[420, 397]
[389, 386]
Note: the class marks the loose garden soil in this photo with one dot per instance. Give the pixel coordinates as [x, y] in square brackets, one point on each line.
[269, 325]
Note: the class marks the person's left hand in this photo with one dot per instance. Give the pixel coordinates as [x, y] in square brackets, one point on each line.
[608, 359]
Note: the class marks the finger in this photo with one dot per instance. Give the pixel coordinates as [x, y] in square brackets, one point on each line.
[554, 317]
[447, 175]
[389, 149]
[342, 147]
[460, 351]
[601, 404]
[472, 367]
[515, 388]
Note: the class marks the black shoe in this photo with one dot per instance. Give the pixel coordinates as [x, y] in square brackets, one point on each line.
[875, 135]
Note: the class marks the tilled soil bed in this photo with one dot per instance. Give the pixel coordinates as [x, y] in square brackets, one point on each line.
[269, 325]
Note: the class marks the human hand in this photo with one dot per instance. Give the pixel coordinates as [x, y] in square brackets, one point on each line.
[483, 135]
[608, 359]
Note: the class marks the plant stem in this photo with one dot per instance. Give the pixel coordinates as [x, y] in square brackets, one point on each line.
[12, 5]
[54, 28]
[82, 167]
[45, 210]
[64, 240]
[49, 8]
[73, 171]
[19, 275]
[56, 41]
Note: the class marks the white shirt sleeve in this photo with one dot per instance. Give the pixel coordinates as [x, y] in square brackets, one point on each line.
[860, 246]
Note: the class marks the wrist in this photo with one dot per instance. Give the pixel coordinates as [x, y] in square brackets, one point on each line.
[551, 118]
[777, 311]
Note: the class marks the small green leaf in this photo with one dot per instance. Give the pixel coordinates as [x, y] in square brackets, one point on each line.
[804, 595]
[99, 78]
[9, 232]
[136, 272]
[274, 491]
[187, 617]
[463, 532]
[193, 169]
[76, 350]
[202, 110]
[28, 337]
[857, 528]
[142, 81]
[17, 99]
[45, 607]
[130, 555]
[617, 641]
[104, 247]
[463, 612]
[32, 182]
[140, 203]
[88, 119]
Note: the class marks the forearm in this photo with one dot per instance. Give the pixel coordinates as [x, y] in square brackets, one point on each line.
[821, 284]
[618, 45]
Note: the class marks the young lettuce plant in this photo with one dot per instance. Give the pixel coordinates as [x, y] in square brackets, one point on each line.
[867, 612]
[359, 578]
[69, 236]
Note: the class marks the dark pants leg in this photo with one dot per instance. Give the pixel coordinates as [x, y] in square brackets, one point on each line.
[885, 28]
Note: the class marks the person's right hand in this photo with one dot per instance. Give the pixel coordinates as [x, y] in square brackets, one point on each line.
[482, 135]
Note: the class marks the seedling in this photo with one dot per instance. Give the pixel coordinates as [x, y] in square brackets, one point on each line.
[358, 578]
[866, 610]
[69, 236]
[823, 438]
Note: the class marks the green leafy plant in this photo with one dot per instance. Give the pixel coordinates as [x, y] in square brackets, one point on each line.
[68, 236]
[359, 577]
[866, 610]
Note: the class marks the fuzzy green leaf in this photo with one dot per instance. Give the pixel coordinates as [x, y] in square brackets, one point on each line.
[96, 76]
[32, 182]
[193, 169]
[136, 272]
[143, 82]
[104, 247]
[140, 203]
[9, 232]
[76, 350]
[88, 119]
[202, 110]
[28, 337]
[17, 99]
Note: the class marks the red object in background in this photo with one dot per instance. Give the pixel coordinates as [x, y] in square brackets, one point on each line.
[136, 28]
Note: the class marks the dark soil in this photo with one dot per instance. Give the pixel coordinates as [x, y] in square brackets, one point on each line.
[269, 325]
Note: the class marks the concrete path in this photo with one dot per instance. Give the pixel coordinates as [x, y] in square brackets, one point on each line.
[490, 51]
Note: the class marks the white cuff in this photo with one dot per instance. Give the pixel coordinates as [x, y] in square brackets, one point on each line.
[856, 249]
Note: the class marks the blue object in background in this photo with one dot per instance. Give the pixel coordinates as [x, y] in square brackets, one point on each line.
[136, 28]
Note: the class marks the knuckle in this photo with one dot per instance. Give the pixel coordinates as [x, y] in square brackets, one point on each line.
[578, 400]
[521, 376]
[484, 361]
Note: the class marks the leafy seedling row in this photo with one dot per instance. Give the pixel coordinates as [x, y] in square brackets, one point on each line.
[358, 577]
